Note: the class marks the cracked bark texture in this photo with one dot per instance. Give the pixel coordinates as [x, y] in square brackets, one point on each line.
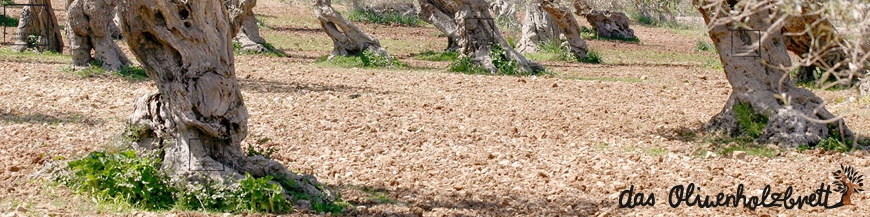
[198, 118]
[91, 25]
[38, 29]
[441, 14]
[347, 38]
[569, 27]
[758, 80]
[538, 27]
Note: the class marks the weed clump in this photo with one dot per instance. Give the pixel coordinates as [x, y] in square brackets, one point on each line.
[371, 16]
[750, 122]
[126, 178]
[366, 59]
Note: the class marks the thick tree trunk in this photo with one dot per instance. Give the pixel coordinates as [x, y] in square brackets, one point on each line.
[479, 35]
[609, 24]
[538, 27]
[38, 29]
[186, 48]
[347, 38]
[569, 27]
[441, 14]
[90, 24]
[759, 81]
[248, 35]
[810, 35]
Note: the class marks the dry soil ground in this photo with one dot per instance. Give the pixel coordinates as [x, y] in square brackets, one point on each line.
[428, 142]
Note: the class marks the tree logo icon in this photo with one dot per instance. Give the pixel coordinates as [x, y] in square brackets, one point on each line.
[848, 182]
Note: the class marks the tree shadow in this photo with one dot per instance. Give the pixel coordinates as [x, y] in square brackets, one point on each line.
[265, 86]
[484, 204]
[296, 29]
[38, 118]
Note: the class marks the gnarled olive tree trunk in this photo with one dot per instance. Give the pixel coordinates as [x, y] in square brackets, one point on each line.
[607, 24]
[198, 119]
[90, 24]
[479, 35]
[759, 81]
[538, 27]
[347, 38]
[38, 29]
[569, 27]
[248, 36]
[441, 14]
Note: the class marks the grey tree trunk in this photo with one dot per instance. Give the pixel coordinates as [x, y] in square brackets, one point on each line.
[505, 13]
[571, 37]
[441, 14]
[538, 27]
[90, 24]
[758, 81]
[479, 35]
[347, 38]
[38, 29]
[198, 119]
[248, 37]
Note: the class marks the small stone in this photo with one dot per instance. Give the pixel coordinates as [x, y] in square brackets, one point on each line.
[555, 85]
[739, 155]
[643, 77]
[21, 209]
[709, 155]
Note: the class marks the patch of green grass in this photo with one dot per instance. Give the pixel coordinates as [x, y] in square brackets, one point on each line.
[7, 54]
[383, 18]
[704, 46]
[366, 59]
[656, 152]
[438, 56]
[834, 142]
[750, 149]
[136, 73]
[467, 65]
[593, 57]
[123, 179]
[504, 65]
[257, 151]
[8, 21]
[554, 51]
[750, 121]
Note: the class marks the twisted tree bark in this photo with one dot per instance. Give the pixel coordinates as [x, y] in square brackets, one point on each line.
[479, 36]
[759, 81]
[198, 119]
[90, 25]
[38, 29]
[347, 38]
[570, 29]
[441, 14]
[538, 27]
